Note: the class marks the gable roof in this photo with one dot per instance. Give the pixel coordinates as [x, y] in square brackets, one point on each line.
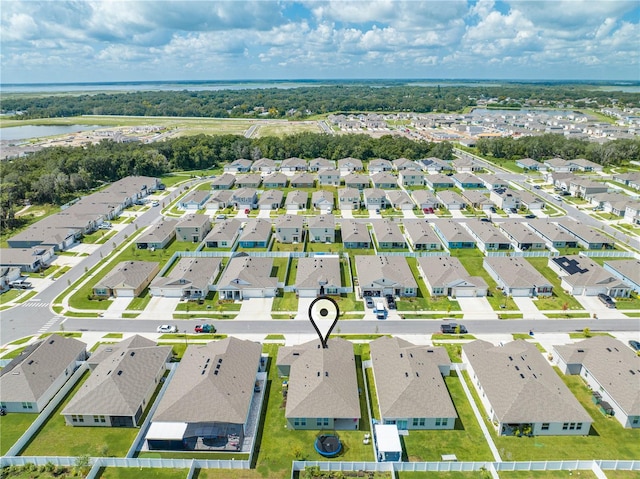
[128, 274]
[315, 271]
[194, 221]
[213, 383]
[516, 272]
[354, 232]
[408, 380]
[327, 221]
[420, 232]
[583, 271]
[225, 230]
[256, 229]
[390, 270]
[193, 273]
[448, 271]
[159, 232]
[387, 231]
[248, 272]
[296, 197]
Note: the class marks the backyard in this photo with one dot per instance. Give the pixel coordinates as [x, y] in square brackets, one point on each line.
[12, 427]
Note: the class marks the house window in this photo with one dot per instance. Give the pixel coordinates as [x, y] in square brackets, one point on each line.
[419, 421]
[322, 421]
[300, 421]
[545, 426]
[27, 405]
[565, 426]
[572, 426]
[3, 405]
[99, 419]
[77, 418]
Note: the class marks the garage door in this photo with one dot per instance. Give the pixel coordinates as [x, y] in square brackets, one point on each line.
[464, 292]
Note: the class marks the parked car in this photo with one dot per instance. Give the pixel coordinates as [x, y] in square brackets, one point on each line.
[606, 300]
[155, 203]
[167, 328]
[221, 217]
[247, 211]
[635, 345]
[531, 216]
[204, 328]
[368, 300]
[20, 284]
[391, 303]
[451, 328]
[105, 226]
[537, 187]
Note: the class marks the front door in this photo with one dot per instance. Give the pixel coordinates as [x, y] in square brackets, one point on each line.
[402, 425]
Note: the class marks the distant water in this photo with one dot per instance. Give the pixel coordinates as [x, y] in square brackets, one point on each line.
[37, 131]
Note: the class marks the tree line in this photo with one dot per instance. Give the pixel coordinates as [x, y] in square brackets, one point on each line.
[59, 174]
[304, 101]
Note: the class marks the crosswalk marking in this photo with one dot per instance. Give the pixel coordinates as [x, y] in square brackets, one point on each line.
[48, 324]
[35, 304]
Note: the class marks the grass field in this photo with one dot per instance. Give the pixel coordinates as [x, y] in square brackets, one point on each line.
[146, 472]
[12, 427]
[280, 128]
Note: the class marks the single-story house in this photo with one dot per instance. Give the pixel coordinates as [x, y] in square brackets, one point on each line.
[241, 165]
[520, 391]
[264, 165]
[8, 274]
[465, 181]
[488, 237]
[244, 198]
[256, 233]
[296, 200]
[553, 235]
[223, 234]
[193, 228]
[127, 280]
[560, 166]
[434, 165]
[404, 164]
[248, 277]
[400, 200]
[349, 198]
[275, 180]
[191, 278]
[271, 200]
[322, 228]
[248, 181]
[627, 270]
[120, 386]
[491, 182]
[630, 179]
[289, 229]
[409, 381]
[451, 200]
[375, 198]
[194, 200]
[329, 177]
[27, 260]
[293, 165]
[466, 165]
[158, 235]
[425, 200]
[379, 165]
[355, 235]
[477, 199]
[220, 199]
[388, 234]
[445, 276]
[453, 234]
[359, 182]
[521, 236]
[208, 404]
[421, 235]
[31, 379]
[382, 274]
[322, 200]
[611, 370]
[349, 165]
[580, 275]
[223, 182]
[302, 180]
[530, 164]
[319, 164]
[586, 165]
[587, 237]
[322, 389]
[384, 181]
[316, 272]
[517, 277]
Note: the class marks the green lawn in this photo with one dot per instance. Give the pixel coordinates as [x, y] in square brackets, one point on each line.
[140, 302]
[280, 268]
[466, 441]
[373, 394]
[497, 300]
[211, 303]
[137, 473]
[55, 438]
[277, 246]
[286, 302]
[560, 299]
[12, 427]
[113, 336]
[440, 475]
[424, 301]
[21, 341]
[14, 354]
[584, 474]
[453, 349]
[347, 303]
[10, 295]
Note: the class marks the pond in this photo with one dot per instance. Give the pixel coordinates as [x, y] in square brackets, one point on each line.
[36, 131]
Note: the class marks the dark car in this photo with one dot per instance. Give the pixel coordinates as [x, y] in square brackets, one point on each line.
[635, 345]
[606, 300]
[531, 216]
[204, 328]
[368, 300]
[391, 303]
[451, 328]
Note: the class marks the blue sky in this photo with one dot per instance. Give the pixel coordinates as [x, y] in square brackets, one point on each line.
[86, 41]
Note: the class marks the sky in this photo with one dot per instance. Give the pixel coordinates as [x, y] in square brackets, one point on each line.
[95, 41]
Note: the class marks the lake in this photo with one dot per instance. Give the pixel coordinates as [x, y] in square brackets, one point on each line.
[35, 131]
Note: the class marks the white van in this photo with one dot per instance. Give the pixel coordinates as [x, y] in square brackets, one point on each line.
[381, 312]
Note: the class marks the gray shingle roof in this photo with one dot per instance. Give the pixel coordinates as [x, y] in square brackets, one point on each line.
[447, 271]
[353, 232]
[420, 232]
[225, 230]
[387, 231]
[317, 271]
[193, 273]
[159, 232]
[516, 272]
[520, 385]
[322, 221]
[128, 274]
[297, 197]
[585, 272]
[213, 383]
[390, 270]
[256, 229]
[246, 272]
[408, 381]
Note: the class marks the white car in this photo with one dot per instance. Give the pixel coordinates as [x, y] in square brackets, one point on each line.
[155, 203]
[167, 328]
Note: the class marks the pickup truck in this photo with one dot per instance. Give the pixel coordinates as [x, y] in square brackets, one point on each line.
[450, 328]
[204, 328]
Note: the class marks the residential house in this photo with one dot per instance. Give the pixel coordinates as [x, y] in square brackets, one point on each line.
[477, 199]
[411, 178]
[248, 181]
[388, 234]
[296, 200]
[27, 260]
[349, 199]
[359, 182]
[244, 198]
[587, 237]
[329, 177]
[322, 200]
[530, 201]
[434, 165]
[241, 165]
[322, 228]
[466, 181]
[553, 235]
[271, 200]
[355, 235]
[127, 280]
[425, 200]
[349, 165]
[521, 236]
[293, 165]
[446, 276]
[194, 200]
[517, 277]
[451, 200]
[488, 237]
[208, 403]
[421, 236]
[289, 229]
[520, 391]
[159, 235]
[322, 389]
[466, 165]
[32, 378]
[530, 164]
[453, 234]
[382, 274]
[627, 270]
[193, 228]
[190, 278]
[223, 234]
[265, 166]
[320, 164]
[400, 200]
[378, 165]
[404, 164]
[220, 199]
[438, 181]
[632, 214]
[223, 182]
[582, 276]
[492, 182]
[384, 181]
[8, 274]
[560, 180]
[630, 179]
[48, 232]
[275, 180]
[120, 386]
[317, 273]
[404, 372]
[375, 198]
[560, 166]
[505, 199]
[255, 234]
[247, 277]
[302, 180]
[586, 165]
[585, 188]
[610, 369]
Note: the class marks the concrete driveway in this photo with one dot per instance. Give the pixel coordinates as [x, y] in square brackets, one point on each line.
[241, 214]
[256, 309]
[347, 214]
[457, 214]
[595, 306]
[409, 214]
[476, 308]
[539, 214]
[264, 214]
[292, 211]
[161, 308]
[117, 307]
[303, 309]
[373, 215]
[528, 308]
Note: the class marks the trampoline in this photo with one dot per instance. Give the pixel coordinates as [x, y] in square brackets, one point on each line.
[328, 445]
